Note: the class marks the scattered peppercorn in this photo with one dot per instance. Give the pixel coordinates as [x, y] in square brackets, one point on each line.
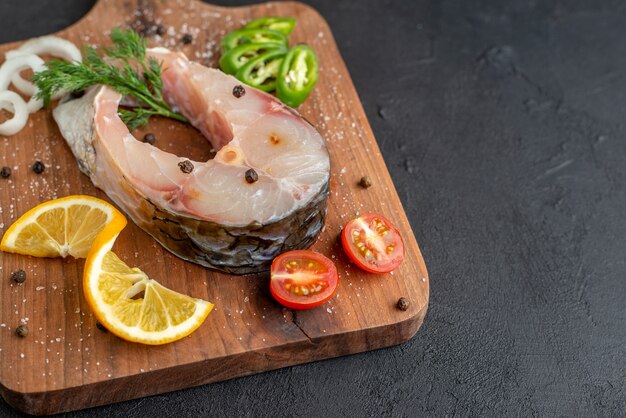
[186, 166]
[38, 167]
[77, 94]
[187, 39]
[365, 182]
[5, 172]
[21, 331]
[101, 327]
[403, 304]
[251, 176]
[18, 276]
[239, 91]
[149, 138]
[160, 30]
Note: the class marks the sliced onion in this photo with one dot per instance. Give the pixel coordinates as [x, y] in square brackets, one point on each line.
[22, 85]
[50, 45]
[14, 103]
[45, 45]
[14, 66]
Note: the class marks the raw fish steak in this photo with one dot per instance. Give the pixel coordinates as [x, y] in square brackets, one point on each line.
[216, 213]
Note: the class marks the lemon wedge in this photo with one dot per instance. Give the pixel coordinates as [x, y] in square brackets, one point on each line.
[124, 299]
[61, 227]
[133, 306]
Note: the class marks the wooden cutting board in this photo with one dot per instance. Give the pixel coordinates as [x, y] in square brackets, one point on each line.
[66, 363]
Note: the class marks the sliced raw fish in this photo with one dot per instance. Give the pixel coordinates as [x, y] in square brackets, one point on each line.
[212, 215]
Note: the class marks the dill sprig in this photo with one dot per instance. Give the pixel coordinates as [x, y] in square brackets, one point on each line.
[123, 67]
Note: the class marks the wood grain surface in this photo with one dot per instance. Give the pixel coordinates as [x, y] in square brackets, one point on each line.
[66, 363]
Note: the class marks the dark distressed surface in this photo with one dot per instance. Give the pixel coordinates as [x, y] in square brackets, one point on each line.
[503, 128]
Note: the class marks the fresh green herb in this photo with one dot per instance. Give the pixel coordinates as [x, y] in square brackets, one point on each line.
[122, 67]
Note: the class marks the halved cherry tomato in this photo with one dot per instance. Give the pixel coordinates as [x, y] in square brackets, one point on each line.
[373, 243]
[303, 279]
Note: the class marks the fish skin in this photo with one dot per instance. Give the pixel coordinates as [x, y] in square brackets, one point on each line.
[236, 248]
[75, 122]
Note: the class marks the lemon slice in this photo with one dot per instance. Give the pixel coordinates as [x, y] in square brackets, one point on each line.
[61, 227]
[133, 306]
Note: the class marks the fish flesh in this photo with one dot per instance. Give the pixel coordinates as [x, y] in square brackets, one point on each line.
[211, 215]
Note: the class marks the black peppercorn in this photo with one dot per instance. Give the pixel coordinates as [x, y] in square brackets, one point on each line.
[38, 167]
[187, 39]
[101, 327]
[149, 138]
[5, 172]
[365, 182]
[77, 94]
[21, 331]
[239, 91]
[160, 30]
[403, 304]
[251, 176]
[186, 166]
[18, 276]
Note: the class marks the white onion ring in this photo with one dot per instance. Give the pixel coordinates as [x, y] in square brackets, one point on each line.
[22, 85]
[14, 103]
[15, 65]
[50, 45]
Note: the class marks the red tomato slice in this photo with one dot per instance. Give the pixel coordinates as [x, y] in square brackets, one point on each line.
[303, 279]
[373, 243]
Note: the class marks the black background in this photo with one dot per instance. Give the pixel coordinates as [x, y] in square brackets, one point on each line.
[502, 124]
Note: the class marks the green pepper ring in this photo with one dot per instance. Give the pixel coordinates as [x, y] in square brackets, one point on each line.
[280, 24]
[245, 73]
[289, 94]
[248, 36]
[231, 61]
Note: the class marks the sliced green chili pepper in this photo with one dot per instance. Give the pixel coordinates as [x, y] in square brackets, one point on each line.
[280, 24]
[237, 57]
[261, 72]
[297, 75]
[249, 36]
